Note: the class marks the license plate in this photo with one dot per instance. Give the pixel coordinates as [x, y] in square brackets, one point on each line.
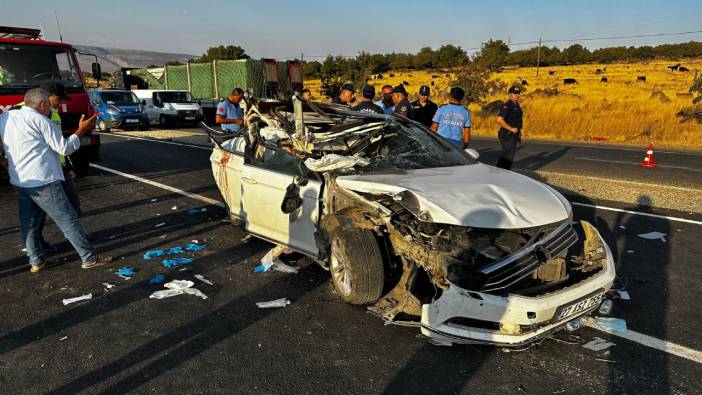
[190, 118]
[132, 120]
[579, 306]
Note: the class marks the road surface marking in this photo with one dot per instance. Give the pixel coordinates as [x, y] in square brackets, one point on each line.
[655, 343]
[162, 186]
[638, 163]
[619, 210]
[546, 172]
[154, 140]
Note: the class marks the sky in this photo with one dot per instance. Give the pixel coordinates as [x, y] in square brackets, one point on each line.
[286, 29]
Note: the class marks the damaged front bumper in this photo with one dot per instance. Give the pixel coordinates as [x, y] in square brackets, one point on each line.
[462, 316]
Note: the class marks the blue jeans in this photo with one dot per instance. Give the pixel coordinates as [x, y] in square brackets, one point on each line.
[34, 204]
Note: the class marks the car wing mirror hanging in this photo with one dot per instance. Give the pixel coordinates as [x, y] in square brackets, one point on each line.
[473, 153]
[292, 202]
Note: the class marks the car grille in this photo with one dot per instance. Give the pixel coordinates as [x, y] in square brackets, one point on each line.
[187, 113]
[501, 275]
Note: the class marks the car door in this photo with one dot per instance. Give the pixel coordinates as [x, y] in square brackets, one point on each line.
[227, 169]
[264, 184]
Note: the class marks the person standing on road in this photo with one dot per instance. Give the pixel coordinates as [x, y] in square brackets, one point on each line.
[452, 121]
[424, 109]
[346, 96]
[365, 104]
[386, 102]
[402, 105]
[510, 133]
[229, 114]
[31, 142]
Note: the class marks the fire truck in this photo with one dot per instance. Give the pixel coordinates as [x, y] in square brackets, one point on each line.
[27, 61]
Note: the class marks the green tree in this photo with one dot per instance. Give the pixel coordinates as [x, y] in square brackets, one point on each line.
[493, 54]
[576, 54]
[424, 59]
[230, 52]
[696, 88]
[474, 80]
[451, 56]
[312, 69]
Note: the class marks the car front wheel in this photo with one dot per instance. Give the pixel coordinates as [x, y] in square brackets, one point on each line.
[356, 266]
[102, 126]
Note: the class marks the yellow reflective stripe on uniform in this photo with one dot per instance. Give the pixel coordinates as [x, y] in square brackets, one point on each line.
[57, 120]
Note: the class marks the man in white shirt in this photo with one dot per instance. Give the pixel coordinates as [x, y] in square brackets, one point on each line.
[32, 143]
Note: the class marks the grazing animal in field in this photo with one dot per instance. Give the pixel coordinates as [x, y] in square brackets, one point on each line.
[551, 72]
[379, 76]
[598, 71]
[448, 75]
[683, 69]
[405, 83]
[525, 83]
[604, 79]
[391, 75]
[432, 83]
[641, 78]
[410, 75]
[604, 69]
[434, 76]
[569, 81]
[674, 67]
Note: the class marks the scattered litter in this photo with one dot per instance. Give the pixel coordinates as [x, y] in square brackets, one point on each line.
[178, 287]
[175, 250]
[195, 247]
[203, 279]
[77, 299]
[153, 254]
[624, 295]
[654, 236]
[108, 285]
[24, 250]
[605, 360]
[285, 268]
[247, 237]
[629, 251]
[176, 261]
[126, 271]
[154, 200]
[270, 259]
[63, 338]
[112, 237]
[174, 208]
[203, 210]
[195, 241]
[606, 307]
[622, 227]
[185, 269]
[282, 302]
[193, 211]
[157, 279]
[160, 225]
[574, 325]
[598, 344]
[608, 324]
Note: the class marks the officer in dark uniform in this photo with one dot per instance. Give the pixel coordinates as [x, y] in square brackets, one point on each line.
[345, 96]
[510, 133]
[424, 109]
[365, 104]
[402, 105]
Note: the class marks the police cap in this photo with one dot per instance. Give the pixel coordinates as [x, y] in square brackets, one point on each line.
[515, 89]
[400, 89]
[424, 90]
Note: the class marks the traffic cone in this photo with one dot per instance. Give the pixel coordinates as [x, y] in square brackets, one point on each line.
[648, 159]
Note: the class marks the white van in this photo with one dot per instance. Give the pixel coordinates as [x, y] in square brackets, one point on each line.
[169, 107]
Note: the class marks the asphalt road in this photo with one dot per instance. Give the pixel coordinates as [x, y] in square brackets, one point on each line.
[123, 341]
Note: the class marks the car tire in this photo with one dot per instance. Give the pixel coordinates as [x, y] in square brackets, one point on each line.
[144, 126]
[102, 126]
[356, 266]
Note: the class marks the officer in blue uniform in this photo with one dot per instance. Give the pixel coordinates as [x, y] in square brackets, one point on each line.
[386, 102]
[229, 114]
[510, 133]
[452, 121]
[402, 105]
[365, 104]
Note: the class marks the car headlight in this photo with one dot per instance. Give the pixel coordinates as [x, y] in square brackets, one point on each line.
[112, 110]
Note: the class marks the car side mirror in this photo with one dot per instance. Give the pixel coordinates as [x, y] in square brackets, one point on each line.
[292, 200]
[97, 71]
[472, 153]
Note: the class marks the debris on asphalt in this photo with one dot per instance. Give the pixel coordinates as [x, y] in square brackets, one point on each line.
[176, 261]
[185, 269]
[159, 225]
[174, 208]
[193, 211]
[605, 360]
[77, 299]
[195, 247]
[606, 307]
[63, 338]
[175, 250]
[598, 344]
[574, 325]
[24, 250]
[195, 241]
[285, 268]
[126, 271]
[272, 258]
[654, 236]
[624, 295]
[607, 324]
[247, 237]
[282, 302]
[178, 287]
[153, 254]
[203, 279]
[629, 251]
[157, 279]
[154, 200]
[108, 286]
[622, 227]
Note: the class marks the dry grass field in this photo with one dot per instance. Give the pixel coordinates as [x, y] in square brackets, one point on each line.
[621, 111]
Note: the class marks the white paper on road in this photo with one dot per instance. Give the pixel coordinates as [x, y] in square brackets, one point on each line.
[77, 299]
[598, 344]
[178, 287]
[282, 302]
[624, 295]
[654, 236]
[203, 279]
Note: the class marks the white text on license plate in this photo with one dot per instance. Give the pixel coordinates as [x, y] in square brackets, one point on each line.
[132, 120]
[577, 307]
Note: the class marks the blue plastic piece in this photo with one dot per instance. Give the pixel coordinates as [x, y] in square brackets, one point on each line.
[193, 211]
[261, 268]
[195, 247]
[611, 324]
[157, 279]
[176, 261]
[175, 250]
[153, 254]
[126, 271]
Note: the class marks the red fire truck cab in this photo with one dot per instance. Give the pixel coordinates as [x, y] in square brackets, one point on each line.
[27, 61]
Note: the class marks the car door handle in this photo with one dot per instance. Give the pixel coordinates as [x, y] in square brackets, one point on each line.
[249, 180]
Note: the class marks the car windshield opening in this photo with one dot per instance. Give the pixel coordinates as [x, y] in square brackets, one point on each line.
[25, 65]
[175, 97]
[119, 98]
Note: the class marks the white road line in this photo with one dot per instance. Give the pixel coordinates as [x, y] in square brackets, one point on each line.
[154, 140]
[162, 186]
[545, 172]
[619, 210]
[655, 343]
[637, 163]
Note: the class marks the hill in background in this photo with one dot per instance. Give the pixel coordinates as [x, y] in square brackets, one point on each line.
[112, 59]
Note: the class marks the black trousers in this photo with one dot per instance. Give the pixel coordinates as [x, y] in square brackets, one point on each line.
[509, 142]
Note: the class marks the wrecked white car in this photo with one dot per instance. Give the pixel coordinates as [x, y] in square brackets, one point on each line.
[416, 229]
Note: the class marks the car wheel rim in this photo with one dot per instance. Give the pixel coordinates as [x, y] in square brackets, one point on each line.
[101, 125]
[340, 273]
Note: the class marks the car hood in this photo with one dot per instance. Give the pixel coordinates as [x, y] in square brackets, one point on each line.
[477, 195]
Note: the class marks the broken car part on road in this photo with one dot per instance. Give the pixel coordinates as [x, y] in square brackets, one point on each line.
[418, 230]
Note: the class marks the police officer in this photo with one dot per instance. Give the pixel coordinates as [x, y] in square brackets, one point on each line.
[229, 114]
[452, 121]
[346, 96]
[402, 105]
[386, 102]
[510, 133]
[365, 104]
[424, 109]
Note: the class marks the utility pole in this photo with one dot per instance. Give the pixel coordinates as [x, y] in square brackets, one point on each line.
[538, 58]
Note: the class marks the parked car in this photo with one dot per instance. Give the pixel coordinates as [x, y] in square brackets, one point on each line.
[118, 109]
[406, 223]
[170, 107]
